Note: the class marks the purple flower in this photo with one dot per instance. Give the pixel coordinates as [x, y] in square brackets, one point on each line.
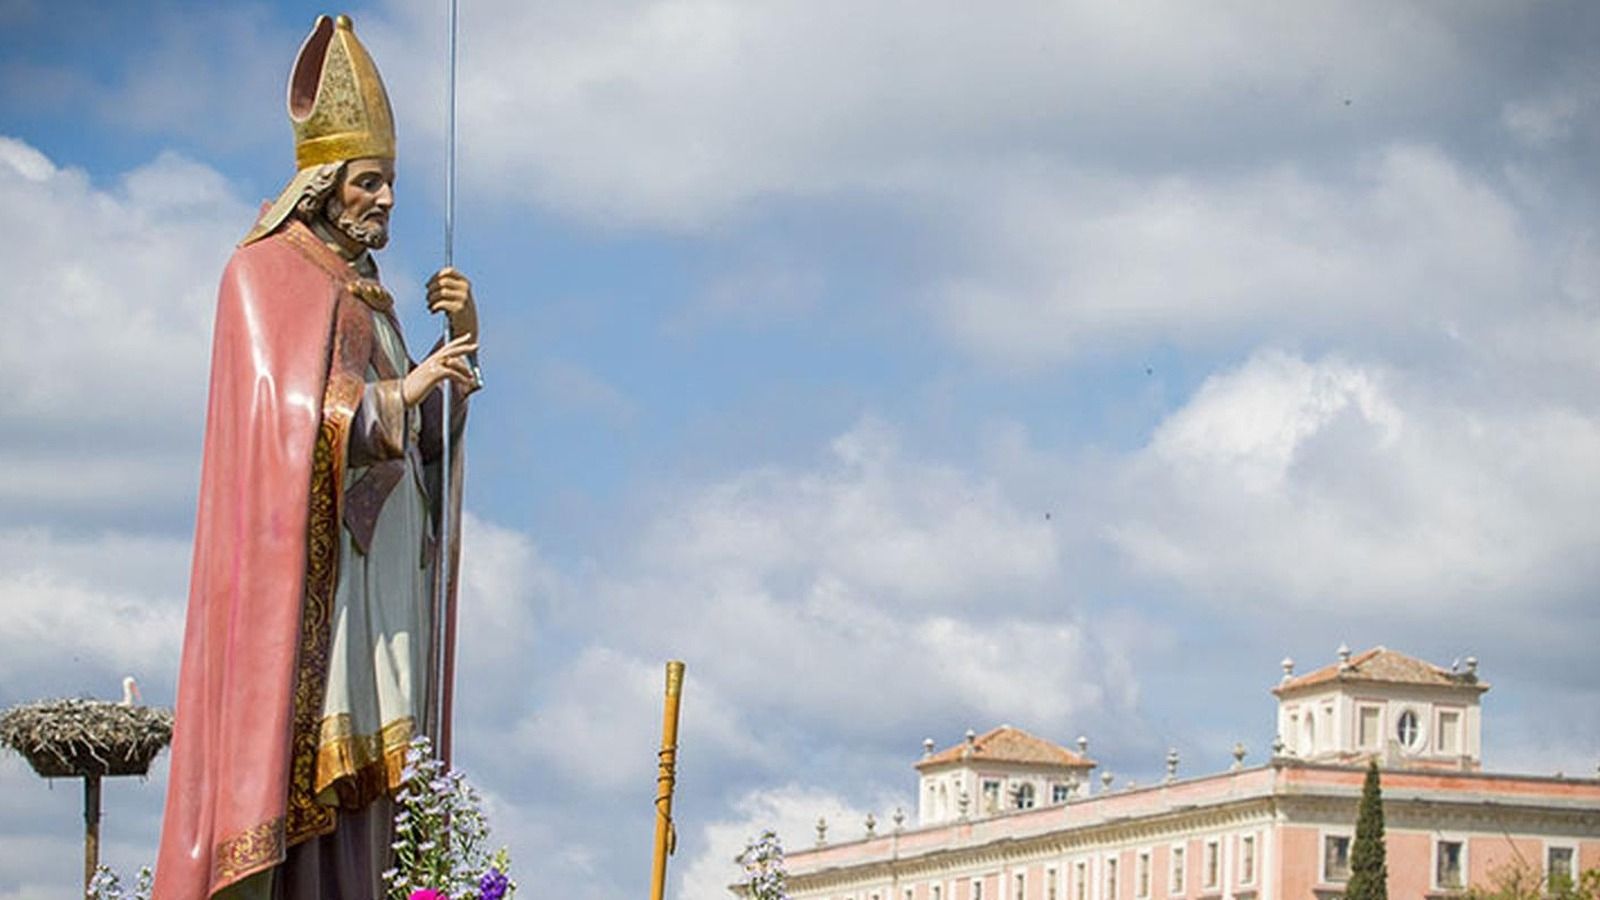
[492, 886]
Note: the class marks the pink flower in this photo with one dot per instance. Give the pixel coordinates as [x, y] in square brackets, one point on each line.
[429, 894]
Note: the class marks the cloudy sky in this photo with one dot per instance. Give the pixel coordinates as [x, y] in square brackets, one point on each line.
[904, 367]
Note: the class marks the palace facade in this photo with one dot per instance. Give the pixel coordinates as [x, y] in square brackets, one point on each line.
[1006, 815]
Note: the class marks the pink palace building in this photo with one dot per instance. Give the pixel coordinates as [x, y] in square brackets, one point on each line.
[1006, 815]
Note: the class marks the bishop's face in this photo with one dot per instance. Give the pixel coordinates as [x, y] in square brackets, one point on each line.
[359, 207]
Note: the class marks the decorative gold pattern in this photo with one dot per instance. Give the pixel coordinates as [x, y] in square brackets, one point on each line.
[357, 768]
[246, 853]
[306, 817]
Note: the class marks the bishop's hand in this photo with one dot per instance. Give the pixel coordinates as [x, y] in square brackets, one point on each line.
[447, 362]
[450, 292]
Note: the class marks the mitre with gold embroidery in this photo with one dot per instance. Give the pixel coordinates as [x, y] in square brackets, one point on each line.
[339, 109]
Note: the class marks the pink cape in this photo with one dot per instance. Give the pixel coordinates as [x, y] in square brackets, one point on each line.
[287, 368]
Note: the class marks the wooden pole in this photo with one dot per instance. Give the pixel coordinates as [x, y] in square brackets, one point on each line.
[91, 828]
[666, 779]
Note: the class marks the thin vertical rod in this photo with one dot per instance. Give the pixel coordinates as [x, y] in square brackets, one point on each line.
[444, 613]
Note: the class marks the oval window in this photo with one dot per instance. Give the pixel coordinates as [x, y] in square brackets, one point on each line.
[1406, 730]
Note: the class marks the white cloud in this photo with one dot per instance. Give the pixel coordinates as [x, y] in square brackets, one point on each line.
[82, 612]
[791, 811]
[1077, 262]
[680, 113]
[1334, 485]
[109, 295]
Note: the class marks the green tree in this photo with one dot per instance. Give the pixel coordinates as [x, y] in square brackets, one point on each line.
[1369, 868]
[1521, 881]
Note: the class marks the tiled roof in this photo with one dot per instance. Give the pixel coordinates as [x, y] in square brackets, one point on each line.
[1385, 665]
[1007, 744]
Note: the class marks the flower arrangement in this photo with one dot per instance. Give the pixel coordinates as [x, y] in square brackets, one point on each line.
[107, 885]
[764, 872]
[440, 837]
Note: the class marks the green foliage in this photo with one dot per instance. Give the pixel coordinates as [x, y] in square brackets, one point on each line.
[1520, 881]
[1369, 868]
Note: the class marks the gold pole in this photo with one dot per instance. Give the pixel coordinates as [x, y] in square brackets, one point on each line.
[666, 778]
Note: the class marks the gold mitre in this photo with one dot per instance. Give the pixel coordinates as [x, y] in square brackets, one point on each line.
[339, 109]
[337, 102]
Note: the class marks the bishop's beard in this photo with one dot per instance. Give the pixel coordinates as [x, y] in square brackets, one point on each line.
[371, 231]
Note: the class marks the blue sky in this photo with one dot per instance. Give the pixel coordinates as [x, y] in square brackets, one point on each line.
[904, 367]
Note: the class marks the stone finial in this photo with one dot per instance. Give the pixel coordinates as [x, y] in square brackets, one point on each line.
[1172, 765]
[822, 831]
[1344, 657]
[927, 747]
[1105, 781]
[1238, 756]
[963, 803]
[1083, 746]
[872, 825]
[1288, 668]
[1472, 666]
[1072, 787]
[899, 820]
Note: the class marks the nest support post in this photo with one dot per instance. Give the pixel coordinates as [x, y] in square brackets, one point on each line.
[91, 829]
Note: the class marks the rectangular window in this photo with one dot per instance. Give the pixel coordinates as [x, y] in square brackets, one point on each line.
[1213, 864]
[977, 883]
[1176, 881]
[1058, 793]
[1111, 879]
[937, 892]
[1080, 880]
[991, 795]
[1447, 865]
[1336, 857]
[1050, 884]
[1369, 727]
[1559, 868]
[1020, 895]
[1449, 731]
[1141, 875]
[910, 894]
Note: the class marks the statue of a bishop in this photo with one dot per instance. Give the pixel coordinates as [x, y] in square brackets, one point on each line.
[306, 659]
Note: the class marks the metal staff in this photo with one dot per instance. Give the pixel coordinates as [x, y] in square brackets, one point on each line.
[443, 644]
[666, 778]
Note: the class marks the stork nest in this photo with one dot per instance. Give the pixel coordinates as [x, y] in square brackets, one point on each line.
[79, 738]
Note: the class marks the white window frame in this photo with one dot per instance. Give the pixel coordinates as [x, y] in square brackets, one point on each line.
[935, 892]
[1421, 744]
[1322, 855]
[1178, 878]
[1439, 730]
[1110, 877]
[1248, 878]
[1572, 869]
[1080, 880]
[1207, 882]
[1143, 874]
[1052, 884]
[1438, 845]
[1378, 731]
[1020, 881]
[976, 891]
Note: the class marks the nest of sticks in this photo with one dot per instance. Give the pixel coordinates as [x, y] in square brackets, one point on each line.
[81, 738]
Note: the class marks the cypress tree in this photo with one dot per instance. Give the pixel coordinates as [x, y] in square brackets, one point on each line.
[1369, 871]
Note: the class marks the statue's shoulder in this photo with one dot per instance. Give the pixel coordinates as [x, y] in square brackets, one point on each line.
[290, 252]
